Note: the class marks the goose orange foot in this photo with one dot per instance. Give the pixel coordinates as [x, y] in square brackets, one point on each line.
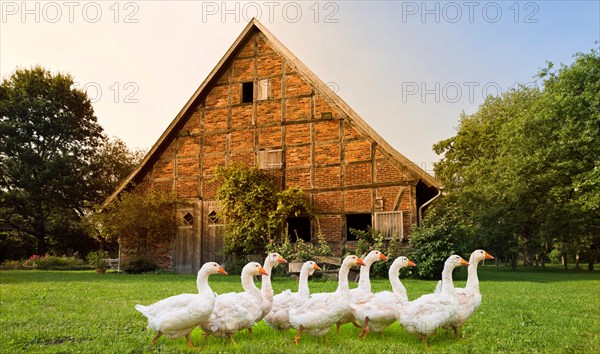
[298, 335]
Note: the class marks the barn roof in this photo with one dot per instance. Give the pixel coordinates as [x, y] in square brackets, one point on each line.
[255, 26]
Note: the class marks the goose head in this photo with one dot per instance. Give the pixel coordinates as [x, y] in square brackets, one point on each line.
[213, 268]
[252, 269]
[310, 267]
[456, 261]
[352, 261]
[480, 255]
[274, 259]
[402, 262]
[374, 256]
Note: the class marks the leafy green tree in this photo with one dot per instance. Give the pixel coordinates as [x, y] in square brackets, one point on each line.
[478, 170]
[48, 135]
[254, 207]
[524, 167]
[142, 222]
[558, 146]
[111, 164]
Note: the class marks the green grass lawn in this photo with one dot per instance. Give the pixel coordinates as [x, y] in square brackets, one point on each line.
[85, 312]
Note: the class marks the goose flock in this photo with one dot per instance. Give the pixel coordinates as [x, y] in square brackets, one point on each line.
[314, 314]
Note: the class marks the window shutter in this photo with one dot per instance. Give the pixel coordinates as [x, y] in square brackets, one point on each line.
[264, 89]
[270, 159]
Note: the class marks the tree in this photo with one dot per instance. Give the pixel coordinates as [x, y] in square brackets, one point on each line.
[525, 165]
[563, 137]
[48, 135]
[254, 207]
[111, 164]
[478, 170]
[142, 222]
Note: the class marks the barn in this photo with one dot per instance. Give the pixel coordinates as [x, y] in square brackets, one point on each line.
[261, 105]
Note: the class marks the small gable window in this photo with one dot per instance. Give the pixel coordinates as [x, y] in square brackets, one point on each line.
[213, 217]
[247, 92]
[188, 218]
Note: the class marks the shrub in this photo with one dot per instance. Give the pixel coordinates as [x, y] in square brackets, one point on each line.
[234, 266]
[47, 262]
[371, 239]
[12, 265]
[138, 221]
[255, 207]
[441, 235]
[555, 256]
[58, 263]
[301, 251]
[97, 259]
[139, 265]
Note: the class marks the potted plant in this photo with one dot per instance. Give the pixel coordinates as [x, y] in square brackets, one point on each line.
[300, 251]
[97, 259]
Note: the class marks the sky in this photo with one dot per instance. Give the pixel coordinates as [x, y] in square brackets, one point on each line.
[408, 68]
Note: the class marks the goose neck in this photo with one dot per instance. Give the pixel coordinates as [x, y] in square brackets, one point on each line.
[266, 287]
[343, 279]
[364, 282]
[303, 282]
[202, 281]
[447, 283]
[397, 286]
[249, 286]
[472, 279]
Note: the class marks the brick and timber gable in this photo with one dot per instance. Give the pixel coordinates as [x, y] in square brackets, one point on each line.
[322, 145]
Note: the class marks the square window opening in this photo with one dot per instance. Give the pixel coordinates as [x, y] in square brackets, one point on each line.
[298, 228]
[247, 92]
[358, 222]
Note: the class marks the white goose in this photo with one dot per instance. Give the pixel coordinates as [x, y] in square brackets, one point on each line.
[363, 291]
[426, 314]
[279, 317]
[178, 315]
[271, 261]
[236, 311]
[469, 297]
[322, 310]
[378, 311]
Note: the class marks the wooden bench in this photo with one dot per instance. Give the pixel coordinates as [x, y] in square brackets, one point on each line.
[330, 266]
[113, 263]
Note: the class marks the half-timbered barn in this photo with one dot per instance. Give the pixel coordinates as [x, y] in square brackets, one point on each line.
[261, 105]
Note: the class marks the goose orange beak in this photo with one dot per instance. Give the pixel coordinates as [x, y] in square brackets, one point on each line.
[463, 262]
[316, 267]
[411, 263]
[360, 262]
[488, 256]
[382, 257]
[281, 260]
[222, 271]
[262, 271]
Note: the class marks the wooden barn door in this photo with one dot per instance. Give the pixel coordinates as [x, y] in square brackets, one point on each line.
[212, 232]
[188, 246]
